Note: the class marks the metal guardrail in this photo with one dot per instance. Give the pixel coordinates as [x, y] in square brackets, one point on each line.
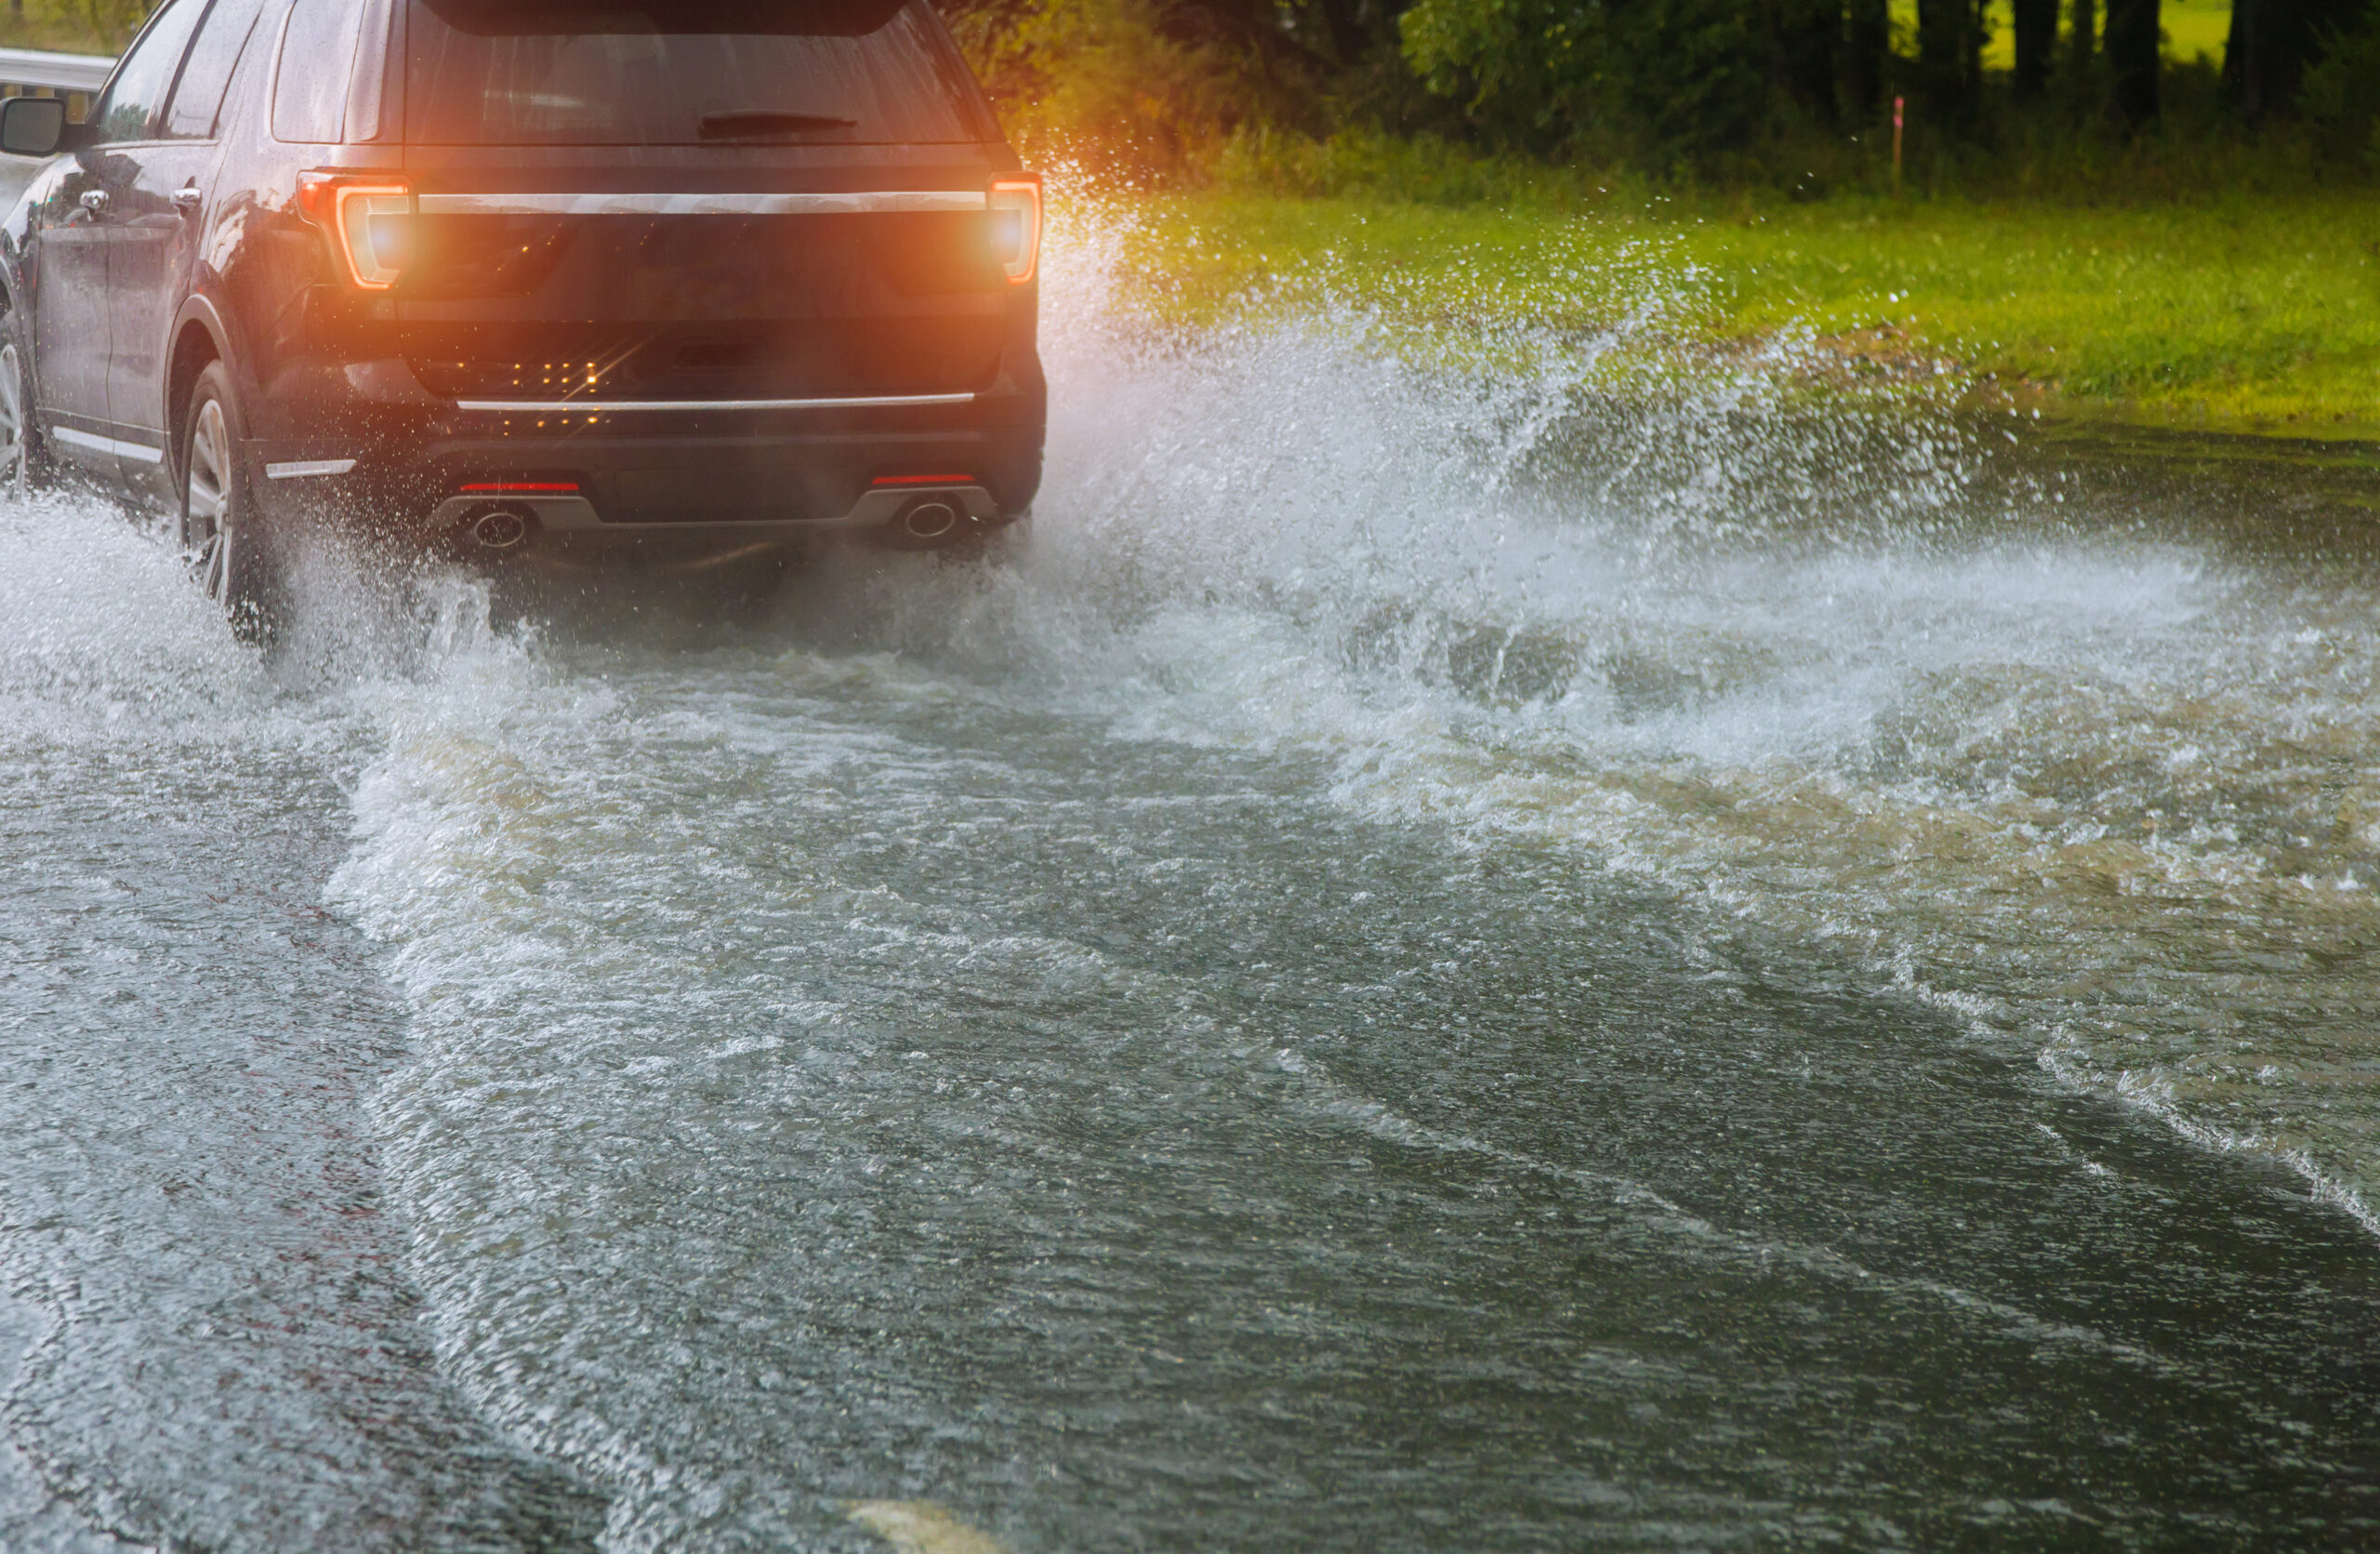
[39, 72]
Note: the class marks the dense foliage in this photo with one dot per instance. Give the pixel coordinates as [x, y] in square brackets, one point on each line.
[1326, 94]
[77, 26]
[1792, 91]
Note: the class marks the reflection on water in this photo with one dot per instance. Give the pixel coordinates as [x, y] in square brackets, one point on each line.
[1447, 962]
[1122, 1145]
[208, 1341]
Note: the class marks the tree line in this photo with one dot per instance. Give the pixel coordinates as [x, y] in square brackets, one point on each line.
[1691, 85]
[78, 26]
[1695, 87]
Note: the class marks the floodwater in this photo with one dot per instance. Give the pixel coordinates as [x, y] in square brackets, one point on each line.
[1451, 960]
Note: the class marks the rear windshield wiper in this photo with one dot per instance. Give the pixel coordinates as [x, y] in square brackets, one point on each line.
[757, 126]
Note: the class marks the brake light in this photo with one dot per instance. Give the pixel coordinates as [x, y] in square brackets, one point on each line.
[1015, 203]
[369, 221]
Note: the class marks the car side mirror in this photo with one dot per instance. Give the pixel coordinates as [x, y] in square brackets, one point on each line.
[32, 125]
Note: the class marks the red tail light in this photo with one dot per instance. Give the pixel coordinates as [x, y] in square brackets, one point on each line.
[369, 219]
[1015, 203]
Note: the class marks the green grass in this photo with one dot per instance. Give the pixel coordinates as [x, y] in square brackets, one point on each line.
[2242, 315]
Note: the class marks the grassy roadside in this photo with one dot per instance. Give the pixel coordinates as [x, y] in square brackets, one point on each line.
[2242, 315]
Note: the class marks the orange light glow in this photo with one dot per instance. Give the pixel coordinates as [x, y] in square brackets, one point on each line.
[365, 218]
[1017, 196]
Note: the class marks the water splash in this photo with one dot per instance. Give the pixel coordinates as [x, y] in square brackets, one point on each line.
[205, 1341]
[2103, 796]
[1791, 661]
[2108, 788]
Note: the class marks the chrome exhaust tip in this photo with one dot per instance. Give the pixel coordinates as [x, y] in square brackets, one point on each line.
[929, 518]
[501, 528]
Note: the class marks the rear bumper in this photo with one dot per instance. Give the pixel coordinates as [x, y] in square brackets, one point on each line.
[392, 459]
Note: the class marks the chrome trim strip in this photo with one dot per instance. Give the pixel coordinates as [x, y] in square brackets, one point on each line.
[606, 407]
[142, 452]
[302, 468]
[703, 204]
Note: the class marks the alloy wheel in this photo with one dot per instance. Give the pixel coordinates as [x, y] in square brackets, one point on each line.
[13, 473]
[209, 528]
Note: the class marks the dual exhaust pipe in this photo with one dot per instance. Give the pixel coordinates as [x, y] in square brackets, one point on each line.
[930, 518]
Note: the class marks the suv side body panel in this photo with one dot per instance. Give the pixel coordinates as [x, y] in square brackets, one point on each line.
[70, 304]
[164, 219]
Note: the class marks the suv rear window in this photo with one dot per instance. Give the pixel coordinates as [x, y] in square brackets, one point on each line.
[598, 72]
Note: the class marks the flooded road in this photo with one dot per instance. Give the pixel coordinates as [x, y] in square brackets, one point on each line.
[1449, 961]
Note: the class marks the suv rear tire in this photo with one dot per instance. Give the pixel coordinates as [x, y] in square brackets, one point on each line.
[231, 551]
[22, 465]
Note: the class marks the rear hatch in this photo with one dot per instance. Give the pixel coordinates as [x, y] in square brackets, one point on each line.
[696, 200]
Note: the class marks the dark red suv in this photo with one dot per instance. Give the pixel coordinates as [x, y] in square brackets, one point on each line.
[524, 274]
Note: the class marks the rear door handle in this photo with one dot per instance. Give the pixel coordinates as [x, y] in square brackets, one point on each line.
[95, 200]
